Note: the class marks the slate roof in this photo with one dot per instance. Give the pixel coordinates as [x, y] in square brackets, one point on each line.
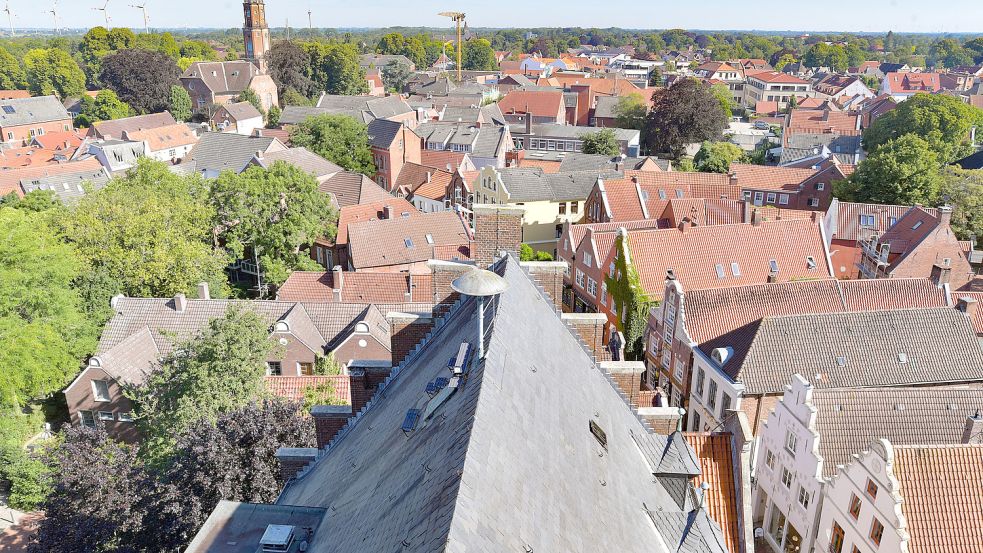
[349, 189]
[576, 161]
[486, 142]
[68, 187]
[974, 161]
[486, 474]
[849, 420]
[216, 151]
[861, 349]
[803, 145]
[116, 127]
[31, 111]
[532, 185]
[11, 179]
[943, 496]
[382, 132]
[605, 107]
[403, 240]
[553, 130]
[304, 159]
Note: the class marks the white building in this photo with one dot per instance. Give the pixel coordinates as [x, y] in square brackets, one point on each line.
[168, 144]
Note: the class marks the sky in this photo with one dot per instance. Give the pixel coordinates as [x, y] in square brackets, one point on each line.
[950, 16]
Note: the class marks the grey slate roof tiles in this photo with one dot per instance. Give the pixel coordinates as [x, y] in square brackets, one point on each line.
[30, 111]
[226, 151]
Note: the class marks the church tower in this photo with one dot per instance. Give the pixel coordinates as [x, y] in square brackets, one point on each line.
[256, 33]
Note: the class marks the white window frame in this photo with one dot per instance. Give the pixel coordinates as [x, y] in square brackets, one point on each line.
[125, 417]
[791, 442]
[106, 416]
[783, 199]
[95, 391]
[787, 478]
[91, 418]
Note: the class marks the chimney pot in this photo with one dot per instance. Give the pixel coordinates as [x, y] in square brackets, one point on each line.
[945, 215]
[772, 278]
[203, 293]
[969, 306]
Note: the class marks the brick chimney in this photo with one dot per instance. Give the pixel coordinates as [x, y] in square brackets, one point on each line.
[973, 433]
[376, 372]
[945, 216]
[338, 279]
[328, 420]
[443, 273]
[589, 327]
[203, 293]
[361, 392]
[968, 305]
[772, 278]
[180, 303]
[406, 330]
[496, 228]
[755, 218]
[387, 212]
[292, 459]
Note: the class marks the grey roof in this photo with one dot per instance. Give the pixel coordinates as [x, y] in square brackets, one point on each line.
[863, 349]
[304, 159]
[382, 132]
[361, 108]
[486, 142]
[577, 161]
[974, 161]
[552, 130]
[605, 107]
[349, 188]
[29, 111]
[532, 184]
[808, 143]
[382, 60]
[222, 77]
[849, 420]
[218, 152]
[120, 154]
[117, 127]
[519, 79]
[68, 187]
[506, 462]
[240, 111]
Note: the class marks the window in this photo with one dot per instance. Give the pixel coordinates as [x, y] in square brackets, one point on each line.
[891, 221]
[836, 539]
[759, 198]
[100, 390]
[125, 417]
[574, 207]
[696, 421]
[855, 505]
[791, 440]
[820, 186]
[106, 416]
[712, 399]
[771, 198]
[580, 278]
[813, 202]
[725, 402]
[408, 242]
[773, 265]
[917, 226]
[667, 359]
[305, 369]
[87, 419]
[588, 259]
[783, 199]
[786, 478]
[604, 293]
[720, 271]
[871, 489]
[599, 434]
[274, 368]
[662, 194]
[700, 377]
[10, 136]
[563, 208]
[876, 531]
[770, 459]
[810, 262]
[591, 287]
[867, 220]
[804, 497]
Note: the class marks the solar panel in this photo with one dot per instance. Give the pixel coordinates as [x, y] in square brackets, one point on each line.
[9, 109]
[409, 423]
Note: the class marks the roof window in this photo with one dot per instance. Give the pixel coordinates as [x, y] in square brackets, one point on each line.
[430, 239]
[736, 269]
[408, 242]
[811, 262]
[917, 225]
[720, 271]
[9, 109]
[773, 265]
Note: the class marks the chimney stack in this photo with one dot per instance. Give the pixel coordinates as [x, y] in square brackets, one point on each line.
[969, 306]
[259, 154]
[180, 303]
[292, 460]
[973, 434]
[338, 281]
[772, 278]
[945, 215]
[328, 420]
[203, 293]
[387, 212]
[755, 218]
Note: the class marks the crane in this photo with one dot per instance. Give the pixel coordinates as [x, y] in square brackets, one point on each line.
[10, 17]
[146, 19]
[54, 14]
[458, 18]
[105, 11]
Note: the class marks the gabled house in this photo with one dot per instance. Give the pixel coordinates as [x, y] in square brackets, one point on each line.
[217, 83]
[918, 245]
[116, 128]
[318, 167]
[405, 243]
[772, 86]
[364, 109]
[330, 254]
[427, 188]
[21, 119]
[394, 145]
[486, 145]
[169, 144]
[901, 86]
[239, 118]
[216, 152]
[540, 106]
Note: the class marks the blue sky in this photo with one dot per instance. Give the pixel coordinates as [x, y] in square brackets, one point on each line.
[867, 15]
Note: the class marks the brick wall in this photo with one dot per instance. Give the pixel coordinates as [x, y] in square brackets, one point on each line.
[360, 390]
[758, 409]
[328, 420]
[292, 460]
[443, 274]
[407, 331]
[627, 375]
[496, 228]
[549, 275]
[590, 327]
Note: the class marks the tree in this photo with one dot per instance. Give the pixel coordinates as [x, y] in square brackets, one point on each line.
[391, 44]
[53, 71]
[120, 38]
[395, 75]
[975, 48]
[293, 98]
[478, 55]
[147, 234]
[716, 157]
[684, 113]
[655, 77]
[724, 96]
[335, 68]
[218, 371]
[526, 253]
[963, 190]
[603, 142]
[104, 107]
[337, 138]
[12, 76]
[141, 78]
[249, 95]
[94, 47]
[180, 103]
[904, 171]
[949, 53]
[43, 328]
[944, 121]
[276, 212]
[786, 59]
[289, 66]
[273, 117]
[631, 111]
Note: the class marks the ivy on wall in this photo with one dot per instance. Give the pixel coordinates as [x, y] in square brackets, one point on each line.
[625, 289]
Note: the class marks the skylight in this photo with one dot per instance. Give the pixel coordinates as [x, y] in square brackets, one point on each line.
[408, 242]
[720, 271]
[811, 262]
[736, 269]
[662, 194]
[773, 265]
[430, 239]
[679, 193]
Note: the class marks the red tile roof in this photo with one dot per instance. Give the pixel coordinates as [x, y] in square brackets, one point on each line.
[14, 94]
[293, 387]
[10, 180]
[910, 83]
[164, 138]
[420, 180]
[943, 496]
[775, 77]
[541, 103]
[772, 178]
[441, 159]
[370, 212]
[823, 122]
[385, 288]
[405, 240]
[718, 470]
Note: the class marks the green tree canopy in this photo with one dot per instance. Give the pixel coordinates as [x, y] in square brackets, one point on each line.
[141, 78]
[716, 157]
[12, 76]
[631, 111]
[220, 370]
[395, 75]
[290, 65]
[277, 211]
[724, 96]
[249, 95]
[337, 138]
[963, 190]
[478, 55]
[603, 142]
[104, 107]
[44, 333]
[148, 234]
[53, 71]
[335, 68]
[293, 98]
[904, 171]
[180, 103]
[944, 121]
[684, 113]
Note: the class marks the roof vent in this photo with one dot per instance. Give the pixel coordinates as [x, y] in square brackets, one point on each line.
[841, 361]
[899, 407]
[902, 358]
[278, 537]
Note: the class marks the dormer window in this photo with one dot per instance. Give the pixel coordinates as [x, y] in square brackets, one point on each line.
[281, 326]
[362, 328]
